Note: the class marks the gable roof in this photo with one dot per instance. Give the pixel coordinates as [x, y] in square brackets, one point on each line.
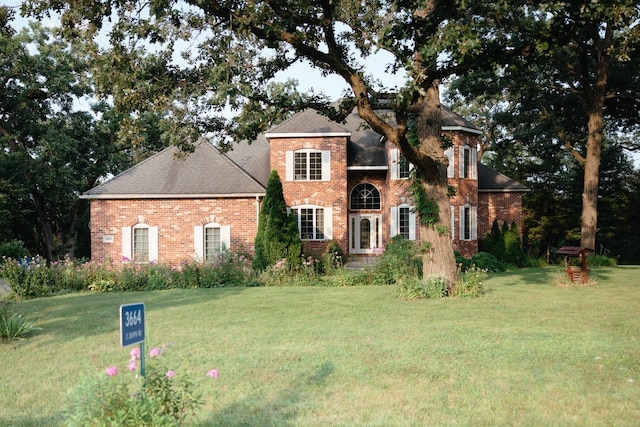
[253, 158]
[204, 173]
[491, 181]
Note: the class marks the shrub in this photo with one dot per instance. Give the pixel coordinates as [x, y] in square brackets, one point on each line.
[161, 398]
[13, 250]
[15, 326]
[487, 261]
[333, 256]
[601, 261]
[401, 258]
[415, 288]
[470, 282]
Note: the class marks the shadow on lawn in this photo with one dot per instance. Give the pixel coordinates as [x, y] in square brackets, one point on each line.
[32, 420]
[281, 409]
[73, 316]
[547, 276]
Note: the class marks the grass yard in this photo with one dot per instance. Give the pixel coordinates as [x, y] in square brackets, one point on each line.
[527, 353]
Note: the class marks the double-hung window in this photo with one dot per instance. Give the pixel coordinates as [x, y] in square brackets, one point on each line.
[314, 222]
[140, 243]
[468, 222]
[308, 165]
[209, 239]
[468, 160]
[400, 166]
[403, 222]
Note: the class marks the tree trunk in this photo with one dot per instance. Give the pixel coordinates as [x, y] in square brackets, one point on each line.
[45, 224]
[589, 220]
[432, 167]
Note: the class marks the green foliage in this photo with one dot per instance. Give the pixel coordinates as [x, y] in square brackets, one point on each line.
[15, 325]
[415, 288]
[401, 258]
[426, 208]
[14, 250]
[161, 398]
[35, 279]
[471, 282]
[278, 236]
[333, 256]
[486, 261]
[505, 244]
[601, 261]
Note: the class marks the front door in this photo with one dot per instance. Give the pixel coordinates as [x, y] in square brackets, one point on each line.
[365, 233]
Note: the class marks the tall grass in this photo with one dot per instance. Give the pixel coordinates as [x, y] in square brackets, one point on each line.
[527, 353]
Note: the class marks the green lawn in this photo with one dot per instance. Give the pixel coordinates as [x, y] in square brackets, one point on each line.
[527, 353]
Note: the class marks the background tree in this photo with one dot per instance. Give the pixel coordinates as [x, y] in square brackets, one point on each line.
[579, 82]
[278, 237]
[237, 48]
[51, 151]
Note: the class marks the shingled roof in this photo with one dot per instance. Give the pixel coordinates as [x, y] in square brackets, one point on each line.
[204, 173]
[491, 181]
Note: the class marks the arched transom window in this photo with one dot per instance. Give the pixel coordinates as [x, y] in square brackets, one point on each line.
[365, 196]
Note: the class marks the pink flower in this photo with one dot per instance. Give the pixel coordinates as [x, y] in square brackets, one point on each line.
[154, 352]
[133, 366]
[134, 354]
[170, 374]
[112, 371]
[213, 373]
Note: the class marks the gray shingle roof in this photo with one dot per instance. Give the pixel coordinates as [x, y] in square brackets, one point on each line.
[204, 173]
[490, 180]
[253, 158]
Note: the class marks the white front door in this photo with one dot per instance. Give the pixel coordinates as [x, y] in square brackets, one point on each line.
[365, 233]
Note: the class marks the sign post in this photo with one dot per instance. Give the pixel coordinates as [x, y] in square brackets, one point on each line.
[132, 328]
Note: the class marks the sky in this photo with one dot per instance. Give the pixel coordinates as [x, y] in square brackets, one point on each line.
[309, 78]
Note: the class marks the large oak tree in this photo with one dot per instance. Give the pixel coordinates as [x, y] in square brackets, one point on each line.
[232, 50]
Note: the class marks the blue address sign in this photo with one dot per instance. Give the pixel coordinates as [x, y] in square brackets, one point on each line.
[131, 324]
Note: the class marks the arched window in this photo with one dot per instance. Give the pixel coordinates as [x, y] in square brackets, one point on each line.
[365, 196]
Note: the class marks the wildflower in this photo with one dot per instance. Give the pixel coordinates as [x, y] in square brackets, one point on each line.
[112, 371]
[133, 366]
[154, 352]
[134, 354]
[213, 373]
[170, 374]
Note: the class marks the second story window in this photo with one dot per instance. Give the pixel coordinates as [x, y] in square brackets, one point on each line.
[468, 159]
[308, 165]
[404, 167]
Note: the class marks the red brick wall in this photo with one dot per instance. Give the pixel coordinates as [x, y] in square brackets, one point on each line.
[501, 206]
[322, 193]
[175, 219]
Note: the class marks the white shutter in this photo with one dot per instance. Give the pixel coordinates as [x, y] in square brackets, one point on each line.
[460, 162]
[412, 223]
[473, 221]
[198, 242]
[126, 243]
[395, 166]
[153, 244]
[474, 163]
[326, 165]
[328, 223]
[225, 236]
[450, 169]
[453, 222]
[461, 222]
[289, 166]
[394, 221]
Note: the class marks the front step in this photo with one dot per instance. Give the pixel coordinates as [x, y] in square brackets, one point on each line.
[360, 262]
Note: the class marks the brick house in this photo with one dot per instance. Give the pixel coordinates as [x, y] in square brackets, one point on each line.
[342, 181]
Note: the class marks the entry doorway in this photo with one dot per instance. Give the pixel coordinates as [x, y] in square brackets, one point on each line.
[365, 233]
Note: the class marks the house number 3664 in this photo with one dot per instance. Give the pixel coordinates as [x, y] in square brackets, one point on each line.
[132, 318]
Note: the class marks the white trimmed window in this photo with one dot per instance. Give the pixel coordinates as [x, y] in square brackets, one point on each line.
[400, 166]
[403, 221]
[210, 239]
[468, 222]
[140, 243]
[453, 222]
[308, 165]
[314, 222]
[468, 161]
